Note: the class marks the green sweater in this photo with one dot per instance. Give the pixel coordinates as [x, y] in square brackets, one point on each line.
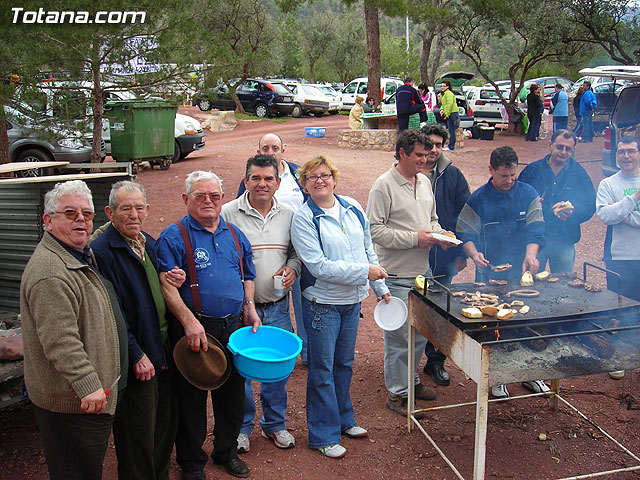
[69, 331]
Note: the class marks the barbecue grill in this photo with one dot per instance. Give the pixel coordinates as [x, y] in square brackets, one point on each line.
[567, 332]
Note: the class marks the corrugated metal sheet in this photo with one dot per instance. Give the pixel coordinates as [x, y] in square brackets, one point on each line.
[21, 228]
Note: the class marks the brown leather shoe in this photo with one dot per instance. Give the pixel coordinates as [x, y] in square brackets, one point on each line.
[424, 393]
[399, 405]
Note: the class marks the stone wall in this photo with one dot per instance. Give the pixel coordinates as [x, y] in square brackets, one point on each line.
[368, 139]
[379, 139]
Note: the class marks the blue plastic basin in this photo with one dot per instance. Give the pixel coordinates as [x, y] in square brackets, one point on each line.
[268, 355]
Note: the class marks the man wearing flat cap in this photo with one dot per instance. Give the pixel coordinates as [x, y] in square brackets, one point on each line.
[217, 298]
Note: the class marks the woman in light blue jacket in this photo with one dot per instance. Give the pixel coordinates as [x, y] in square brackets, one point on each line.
[331, 236]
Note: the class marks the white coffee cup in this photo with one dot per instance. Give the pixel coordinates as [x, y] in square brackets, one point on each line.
[278, 289]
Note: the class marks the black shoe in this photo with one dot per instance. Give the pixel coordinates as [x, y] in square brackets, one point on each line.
[193, 476]
[236, 467]
[437, 373]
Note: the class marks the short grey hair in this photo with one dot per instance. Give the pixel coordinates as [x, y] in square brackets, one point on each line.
[200, 176]
[127, 186]
[62, 189]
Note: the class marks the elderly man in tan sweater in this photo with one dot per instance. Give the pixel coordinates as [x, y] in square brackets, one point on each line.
[402, 212]
[75, 343]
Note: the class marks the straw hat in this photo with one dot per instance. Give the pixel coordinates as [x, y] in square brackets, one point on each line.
[204, 370]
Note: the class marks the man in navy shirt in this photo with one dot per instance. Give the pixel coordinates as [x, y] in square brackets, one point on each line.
[408, 102]
[223, 295]
[559, 178]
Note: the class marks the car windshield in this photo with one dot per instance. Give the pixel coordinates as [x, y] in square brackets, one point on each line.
[327, 91]
[309, 90]
[281, 89]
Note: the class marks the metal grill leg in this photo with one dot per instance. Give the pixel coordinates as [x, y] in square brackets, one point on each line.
[482, 412]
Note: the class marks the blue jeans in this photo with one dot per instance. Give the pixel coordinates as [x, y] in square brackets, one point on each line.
[452, 123]
[273, 396]
[560, 123]
[587, 126]
[296, 296]
[331, 332]
[561, 258]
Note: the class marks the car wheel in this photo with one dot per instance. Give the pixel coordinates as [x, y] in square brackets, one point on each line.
[297, 111]
[164, 163]
[319, 114]
[32, 155]
[177, 155]
[204, 104]
[262, 110]
[334, 112]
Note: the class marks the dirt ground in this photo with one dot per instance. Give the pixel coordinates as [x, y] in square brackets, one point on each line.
[514, 450]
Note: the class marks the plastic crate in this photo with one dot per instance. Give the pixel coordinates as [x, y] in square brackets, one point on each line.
[315, 131]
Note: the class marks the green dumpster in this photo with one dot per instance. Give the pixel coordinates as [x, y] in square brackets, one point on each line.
[142, 130]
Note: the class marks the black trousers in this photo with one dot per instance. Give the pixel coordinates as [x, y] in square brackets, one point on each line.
[228, 413]
[74, 444]
[145, 425]
[403, 120]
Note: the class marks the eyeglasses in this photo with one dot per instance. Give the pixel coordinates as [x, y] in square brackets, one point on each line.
[563, 148]
[201, 197]
[624, 153]
[314, 178]
[71, 214]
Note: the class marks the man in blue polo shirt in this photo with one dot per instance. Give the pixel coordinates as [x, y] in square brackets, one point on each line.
[222, 294]
[502, 223]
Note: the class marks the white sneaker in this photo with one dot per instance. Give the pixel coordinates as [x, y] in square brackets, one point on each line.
[243, 443]
[282, 438]
[356, 432]
[536, 386]
[422, 124]
[617, 375]
[333, 451]
[499, 391]
[446, 149]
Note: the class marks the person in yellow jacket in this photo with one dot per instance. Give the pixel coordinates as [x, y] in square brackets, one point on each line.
[449, 112]
[354, 115]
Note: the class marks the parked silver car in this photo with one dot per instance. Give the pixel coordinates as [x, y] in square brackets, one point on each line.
[30, 142]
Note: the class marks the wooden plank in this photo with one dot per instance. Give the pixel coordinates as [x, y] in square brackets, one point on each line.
[19, 166]
[62, 178]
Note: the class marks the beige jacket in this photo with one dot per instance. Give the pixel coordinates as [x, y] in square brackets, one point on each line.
[69, 331]
[397, 212]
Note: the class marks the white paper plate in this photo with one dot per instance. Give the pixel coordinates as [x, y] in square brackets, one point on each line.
[445, 238]
[392, 315]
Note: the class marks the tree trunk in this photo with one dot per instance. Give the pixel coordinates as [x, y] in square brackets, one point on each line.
[435, 62]
[373, 49]
[311, 74]
[427, 40]
[98, 112]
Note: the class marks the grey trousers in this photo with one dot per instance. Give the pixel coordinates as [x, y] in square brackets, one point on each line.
[395, 345]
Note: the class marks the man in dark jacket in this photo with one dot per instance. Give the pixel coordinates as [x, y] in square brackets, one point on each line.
[559, 178]
[451, 192]
[408, 102]
[146, 418]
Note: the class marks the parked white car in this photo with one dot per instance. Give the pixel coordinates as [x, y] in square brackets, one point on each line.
[358, 88]
[485, 104]
[335, 104]
[73, 102]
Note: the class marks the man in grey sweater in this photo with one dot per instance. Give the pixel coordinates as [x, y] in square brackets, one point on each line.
[402, 213]
[266, 222]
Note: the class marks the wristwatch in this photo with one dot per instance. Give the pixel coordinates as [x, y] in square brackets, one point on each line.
[249, 302]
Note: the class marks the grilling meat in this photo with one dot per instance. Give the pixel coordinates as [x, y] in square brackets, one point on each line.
[527, 279]
[576, 283]
[497, 282]
[502, 268]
